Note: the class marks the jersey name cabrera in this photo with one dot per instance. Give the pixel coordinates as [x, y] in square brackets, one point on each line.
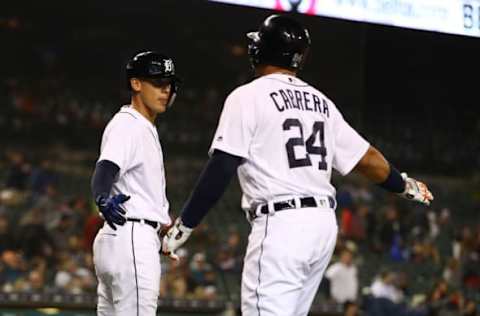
[290, 135]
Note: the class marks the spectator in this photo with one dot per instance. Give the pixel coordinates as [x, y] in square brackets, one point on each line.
[17, 172]
[433, 227]
[198, 269]
[471, 270]
[202, 277]
[79, 211]
[351, 309]
[230, 257]
[42, 177]
[35, 282]
[390, 227]
[7, 240]
[446, 232]
[208, 290]
[33, 239]
[398, 251]
[354, 222]
[387, 299]
[174, 282]
[453, 273]
[383, 287]
[439, 293]
[13, 268]
[467, 242]
[424, 251]
[343, 278]
[178, 286]
[63, 231]
[470, 308]
[73, 278]
[50, 204]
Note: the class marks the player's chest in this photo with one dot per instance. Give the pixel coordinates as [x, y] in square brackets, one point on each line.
[152, 152]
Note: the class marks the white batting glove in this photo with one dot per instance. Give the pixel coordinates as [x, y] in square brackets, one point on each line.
[176, 236]
[416, 190]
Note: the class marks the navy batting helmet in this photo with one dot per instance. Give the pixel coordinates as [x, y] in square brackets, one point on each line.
[280, 41]
[156, 67]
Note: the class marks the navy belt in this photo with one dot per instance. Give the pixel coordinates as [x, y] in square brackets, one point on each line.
[146, 221]
[309, 201]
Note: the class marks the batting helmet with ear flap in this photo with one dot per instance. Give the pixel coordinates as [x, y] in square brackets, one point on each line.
[154, 66]
[280, 41]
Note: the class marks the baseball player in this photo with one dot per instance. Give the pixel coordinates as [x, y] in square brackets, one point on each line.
[129, 189]
[284, 137]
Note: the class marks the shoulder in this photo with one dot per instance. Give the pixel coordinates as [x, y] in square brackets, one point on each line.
[246, 94]
[242, 92]
[124, 122]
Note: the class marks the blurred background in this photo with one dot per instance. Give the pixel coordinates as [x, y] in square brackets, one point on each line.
[413, 94]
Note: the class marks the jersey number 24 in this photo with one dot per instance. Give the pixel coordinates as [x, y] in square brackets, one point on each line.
[317, 129]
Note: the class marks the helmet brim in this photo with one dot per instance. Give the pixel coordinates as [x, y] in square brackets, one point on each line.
[162, 79]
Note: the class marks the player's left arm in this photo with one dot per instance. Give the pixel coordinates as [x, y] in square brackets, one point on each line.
[102, 181]
[211, 185]
[377, 169]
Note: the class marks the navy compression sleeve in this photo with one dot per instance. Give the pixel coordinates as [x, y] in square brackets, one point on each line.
[210, 187]
[394, 182]
[103, 178]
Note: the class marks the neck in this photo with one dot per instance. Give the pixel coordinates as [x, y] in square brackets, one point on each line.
[263, 70]
[141, 108]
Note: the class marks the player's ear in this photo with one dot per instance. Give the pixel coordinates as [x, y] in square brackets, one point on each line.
[135, 84]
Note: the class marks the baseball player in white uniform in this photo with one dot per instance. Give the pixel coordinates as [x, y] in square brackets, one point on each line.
[284, 137]
[129, 188]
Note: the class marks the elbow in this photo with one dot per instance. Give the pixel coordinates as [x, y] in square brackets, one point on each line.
[369, 160]
[373, 165]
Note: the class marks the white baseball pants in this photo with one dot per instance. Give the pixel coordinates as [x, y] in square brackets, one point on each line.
[127, 264]
[287, 254]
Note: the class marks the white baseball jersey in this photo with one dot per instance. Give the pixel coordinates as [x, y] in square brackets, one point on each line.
[291, 136]
[132, 142]
[127, 260]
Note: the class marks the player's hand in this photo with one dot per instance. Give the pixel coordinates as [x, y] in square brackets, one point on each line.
[416, 190]
[110, 209]
[176, 236]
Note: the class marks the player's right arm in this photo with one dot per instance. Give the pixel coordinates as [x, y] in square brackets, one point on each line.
[377, 169]
[352, 152]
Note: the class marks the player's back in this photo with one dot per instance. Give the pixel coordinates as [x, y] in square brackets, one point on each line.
[292, 134]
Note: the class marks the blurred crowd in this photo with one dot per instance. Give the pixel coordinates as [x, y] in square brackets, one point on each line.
[44, 243]
[391, 257]
[46, 237]
[31, 107]
[77, 118]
